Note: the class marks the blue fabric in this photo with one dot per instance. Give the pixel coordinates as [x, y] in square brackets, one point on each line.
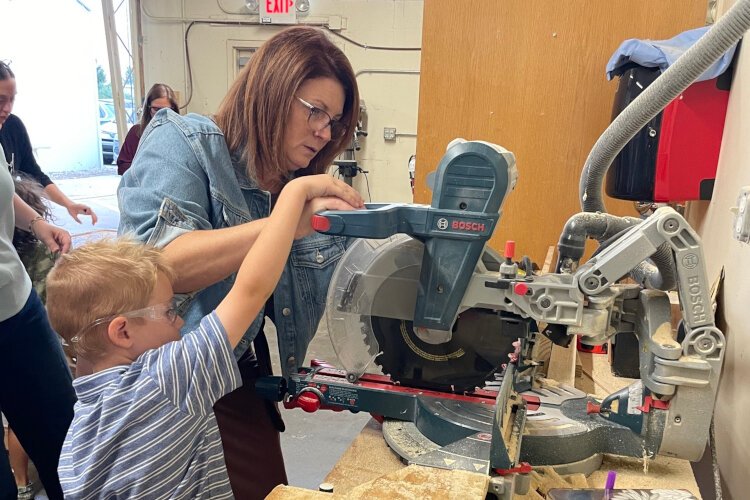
[36, 393]
[148, 430]
[663, 53]
[183, 178]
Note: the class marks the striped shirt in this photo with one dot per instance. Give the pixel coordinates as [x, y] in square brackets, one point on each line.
[148, 430]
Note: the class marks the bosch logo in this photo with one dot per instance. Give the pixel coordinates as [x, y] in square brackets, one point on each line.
[690, 261]
[442, 223]
[462, 225]
[697, 307]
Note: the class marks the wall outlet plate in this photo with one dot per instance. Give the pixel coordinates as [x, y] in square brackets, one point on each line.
[741, 228]
[389, 134]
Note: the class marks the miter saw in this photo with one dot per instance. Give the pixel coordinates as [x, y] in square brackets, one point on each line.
[451, 325]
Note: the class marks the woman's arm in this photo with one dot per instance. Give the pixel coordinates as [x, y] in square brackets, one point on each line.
[54, 193]
[74, 209]
[25, 162]
[203, 257]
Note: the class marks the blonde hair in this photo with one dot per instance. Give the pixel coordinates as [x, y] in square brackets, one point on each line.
[253, 115]
[98, 280]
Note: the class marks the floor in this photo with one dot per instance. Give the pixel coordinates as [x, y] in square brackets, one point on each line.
[313, 442]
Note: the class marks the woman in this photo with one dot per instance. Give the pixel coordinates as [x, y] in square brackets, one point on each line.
[37, 261]
[18, 153]
[160, 96]
[36, 391]
[201, 190]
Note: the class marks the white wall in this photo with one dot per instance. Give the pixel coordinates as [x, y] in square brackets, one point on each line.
[391, 100]
[52, 51]
[714, 222]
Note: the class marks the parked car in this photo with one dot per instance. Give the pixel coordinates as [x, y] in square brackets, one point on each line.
[108, 129]
[110, 143]
[107, 112]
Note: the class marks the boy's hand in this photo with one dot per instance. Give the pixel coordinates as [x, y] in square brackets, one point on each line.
[323, 185]
[304, 227]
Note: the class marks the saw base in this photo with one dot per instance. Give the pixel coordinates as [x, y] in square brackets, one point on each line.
[457, 434]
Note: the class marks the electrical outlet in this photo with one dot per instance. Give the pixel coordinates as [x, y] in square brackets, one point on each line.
[741, 229]
[389, 134]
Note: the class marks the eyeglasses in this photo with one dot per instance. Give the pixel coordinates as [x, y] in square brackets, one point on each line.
[166, 310]
[155, 110]
[319, 119]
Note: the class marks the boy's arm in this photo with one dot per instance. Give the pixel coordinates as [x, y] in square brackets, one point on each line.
[198, 370]
[264, 263]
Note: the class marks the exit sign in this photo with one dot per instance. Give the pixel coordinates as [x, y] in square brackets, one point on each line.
[278, 12]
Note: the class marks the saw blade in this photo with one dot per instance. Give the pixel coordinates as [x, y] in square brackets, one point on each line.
[480, 344]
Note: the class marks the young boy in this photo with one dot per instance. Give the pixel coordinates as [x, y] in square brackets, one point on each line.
[144, 425]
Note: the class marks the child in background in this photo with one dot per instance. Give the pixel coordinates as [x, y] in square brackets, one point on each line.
[144, 425]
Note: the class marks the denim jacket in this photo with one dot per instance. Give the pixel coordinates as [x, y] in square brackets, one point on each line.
[183, 179]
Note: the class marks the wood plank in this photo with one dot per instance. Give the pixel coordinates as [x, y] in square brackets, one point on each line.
[368, 458]
[426, 483]
[562, 364]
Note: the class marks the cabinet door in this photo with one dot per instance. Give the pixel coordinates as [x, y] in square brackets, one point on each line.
[530, 76]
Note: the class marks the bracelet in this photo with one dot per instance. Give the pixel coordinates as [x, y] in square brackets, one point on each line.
[34, 221]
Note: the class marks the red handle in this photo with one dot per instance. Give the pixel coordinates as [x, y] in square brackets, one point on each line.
[320, 223]
[309, 402]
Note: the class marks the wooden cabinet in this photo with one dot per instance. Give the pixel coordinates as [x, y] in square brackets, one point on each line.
[530, 75]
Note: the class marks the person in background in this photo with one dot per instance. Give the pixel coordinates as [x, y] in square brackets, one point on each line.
[36, 390]
[18, 153]
[203, 189]
[38, 261]
[160, 96]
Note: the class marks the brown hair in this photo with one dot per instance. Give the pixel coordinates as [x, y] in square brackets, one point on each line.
[98, 280]
[254, 112]
[30, 191]
[157, 90]
[5, 72]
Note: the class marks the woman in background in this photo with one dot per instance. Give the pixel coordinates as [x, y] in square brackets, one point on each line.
[160, 96]
[18, 152]
[36, 390]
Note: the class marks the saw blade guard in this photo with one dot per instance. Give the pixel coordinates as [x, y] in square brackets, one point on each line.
[374, 278]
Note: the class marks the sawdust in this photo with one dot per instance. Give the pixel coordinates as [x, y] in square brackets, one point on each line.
[663, 336]
[548, 382]
[663, 472]
[282, 492]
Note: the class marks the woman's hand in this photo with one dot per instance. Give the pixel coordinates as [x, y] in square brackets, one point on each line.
[304, 227]
[323, 185]
[55, 238]
[76, 209]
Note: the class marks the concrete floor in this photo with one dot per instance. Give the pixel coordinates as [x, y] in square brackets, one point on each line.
[313, 442]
